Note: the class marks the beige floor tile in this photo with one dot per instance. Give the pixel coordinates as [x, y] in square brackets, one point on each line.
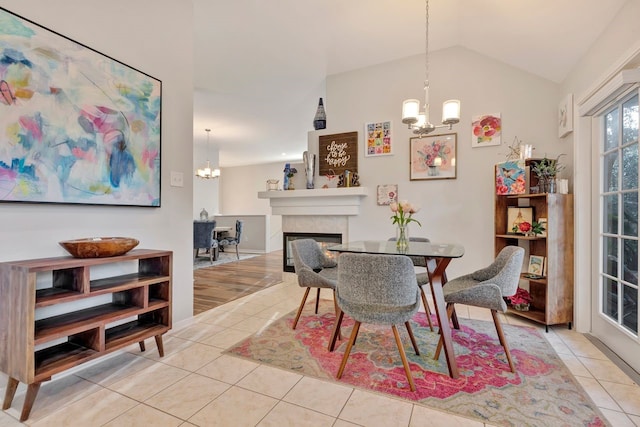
[7, 420]
[288, 415]
[605, 370]
[557, 343]
[617, 419]
[579, 344]
[479, 313]
[94, 410]
[235, 407]
[53, 395]
[144, 416]
[197, 331]
[375, 410]
[247, 308]
[627, 396]
[427, 417]
[227, 338]
[149, 381]
[193, 357]
[320, 396]
[222, 318]
[343, 423]
[171, 345]
[228, 369]
[272, 313]
[574, 365]
[598, 394]
[270, 381]
[187, 396]
[115, 368]
[252, 324]
[635, 419]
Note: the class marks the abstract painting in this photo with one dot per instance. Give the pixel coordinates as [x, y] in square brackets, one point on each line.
[486, 130]
[433, 157]
[76, 126]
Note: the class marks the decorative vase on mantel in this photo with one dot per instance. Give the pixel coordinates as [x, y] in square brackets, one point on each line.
[402, 238]
[320, 119]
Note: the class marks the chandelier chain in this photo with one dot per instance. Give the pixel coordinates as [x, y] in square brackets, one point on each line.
[426, 51]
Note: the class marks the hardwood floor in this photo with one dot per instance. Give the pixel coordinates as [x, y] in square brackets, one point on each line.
[214, 286]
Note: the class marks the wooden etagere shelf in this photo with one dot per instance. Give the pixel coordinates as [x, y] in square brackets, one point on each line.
[552, 294]
[35, 350]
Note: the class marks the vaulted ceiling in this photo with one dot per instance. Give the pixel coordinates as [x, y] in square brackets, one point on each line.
[260, 65]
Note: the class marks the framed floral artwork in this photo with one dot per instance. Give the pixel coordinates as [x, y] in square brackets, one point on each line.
[511, 177]
[387, 193]
[486, 130]
[433, 157]
[519, 219]
[378, 139]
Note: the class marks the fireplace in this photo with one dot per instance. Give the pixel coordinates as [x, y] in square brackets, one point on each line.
[323, 239]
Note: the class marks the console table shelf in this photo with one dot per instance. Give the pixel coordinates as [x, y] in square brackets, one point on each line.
[142, 300]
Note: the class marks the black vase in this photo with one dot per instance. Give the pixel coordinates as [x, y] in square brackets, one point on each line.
[320, 120]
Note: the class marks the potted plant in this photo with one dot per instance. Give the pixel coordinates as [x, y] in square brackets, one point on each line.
[520, 300]
[546, 170]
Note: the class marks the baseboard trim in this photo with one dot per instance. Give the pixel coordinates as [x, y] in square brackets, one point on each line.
[632, 373]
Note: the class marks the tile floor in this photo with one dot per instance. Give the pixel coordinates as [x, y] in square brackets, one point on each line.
[195, 385]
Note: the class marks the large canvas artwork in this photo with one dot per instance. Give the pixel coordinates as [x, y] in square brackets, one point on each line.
[76, 126]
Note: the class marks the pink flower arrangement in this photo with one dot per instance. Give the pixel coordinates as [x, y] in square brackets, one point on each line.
[402, 213]
[521, 297]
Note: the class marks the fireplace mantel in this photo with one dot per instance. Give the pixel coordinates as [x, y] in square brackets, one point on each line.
[321, 201]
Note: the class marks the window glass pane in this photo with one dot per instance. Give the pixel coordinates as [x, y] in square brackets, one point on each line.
[630, 308]
[610, 255]
[630, 214]
[610, 172]
[630, 255]
[610, 298]
[630, 167]
[630, 120]
[612, 127]
[610, 214]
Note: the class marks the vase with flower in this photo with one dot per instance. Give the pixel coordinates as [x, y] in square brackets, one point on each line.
[289, 172]
[402, 216]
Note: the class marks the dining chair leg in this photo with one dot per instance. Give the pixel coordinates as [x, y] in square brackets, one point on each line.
[304, 299]
[336, 329]
[450, 310]
[354, 334]
[317, 300]
[412, 338]
[337, 309]
[403, 356]
[503, 341]
[237, 252]
[427, 310]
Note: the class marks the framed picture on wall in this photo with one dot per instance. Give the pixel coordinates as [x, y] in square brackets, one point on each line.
[486, 130]
[377, 138]
[433, 157]
[78, 126]
[387, 194]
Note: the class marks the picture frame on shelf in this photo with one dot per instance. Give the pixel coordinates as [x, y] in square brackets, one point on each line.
[517, 215]
[543, 223]
[536, 265]
[433, 157]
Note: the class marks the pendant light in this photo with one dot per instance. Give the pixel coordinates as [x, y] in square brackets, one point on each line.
[418, 120]
[207, 172]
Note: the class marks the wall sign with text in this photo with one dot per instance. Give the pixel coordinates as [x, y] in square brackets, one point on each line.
[337, 153]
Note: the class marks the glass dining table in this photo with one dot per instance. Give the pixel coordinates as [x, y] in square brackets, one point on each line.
[437, 257]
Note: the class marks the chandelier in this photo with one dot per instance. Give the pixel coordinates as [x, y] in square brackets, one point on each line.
[207, 172]
[418, 120]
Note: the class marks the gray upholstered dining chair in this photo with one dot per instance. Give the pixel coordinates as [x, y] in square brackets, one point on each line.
[422, 277]
[487, 288]
[314, 270]
[233, 240]
[378, 289]
[203, 238]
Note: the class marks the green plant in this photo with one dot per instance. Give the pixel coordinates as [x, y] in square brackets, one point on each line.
[526, 227]
[547, 168]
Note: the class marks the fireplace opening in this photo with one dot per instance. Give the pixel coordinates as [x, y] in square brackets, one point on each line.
[324, 240]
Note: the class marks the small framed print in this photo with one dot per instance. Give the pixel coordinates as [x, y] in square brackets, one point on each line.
[377, 138]
[536, 265]
[517, 218]
[543, 223]
[387, 194]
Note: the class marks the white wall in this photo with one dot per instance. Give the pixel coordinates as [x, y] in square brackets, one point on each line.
[139, 34]
[459, 210]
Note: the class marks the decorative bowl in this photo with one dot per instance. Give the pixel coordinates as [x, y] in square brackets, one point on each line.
[99, 247]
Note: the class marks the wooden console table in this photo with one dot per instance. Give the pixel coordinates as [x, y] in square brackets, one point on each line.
[37, 345]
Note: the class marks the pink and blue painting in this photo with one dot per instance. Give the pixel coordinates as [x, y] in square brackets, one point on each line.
[76, 126]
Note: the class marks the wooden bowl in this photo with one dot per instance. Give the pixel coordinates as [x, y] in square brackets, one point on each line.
[99, 247]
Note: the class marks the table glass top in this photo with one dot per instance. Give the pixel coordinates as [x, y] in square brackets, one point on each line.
[433, 250]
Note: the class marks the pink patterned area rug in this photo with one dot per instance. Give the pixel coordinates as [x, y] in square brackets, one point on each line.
[542, 392]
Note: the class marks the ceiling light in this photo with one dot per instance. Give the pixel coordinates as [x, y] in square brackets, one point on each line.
[207, 172]
[418, 120]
